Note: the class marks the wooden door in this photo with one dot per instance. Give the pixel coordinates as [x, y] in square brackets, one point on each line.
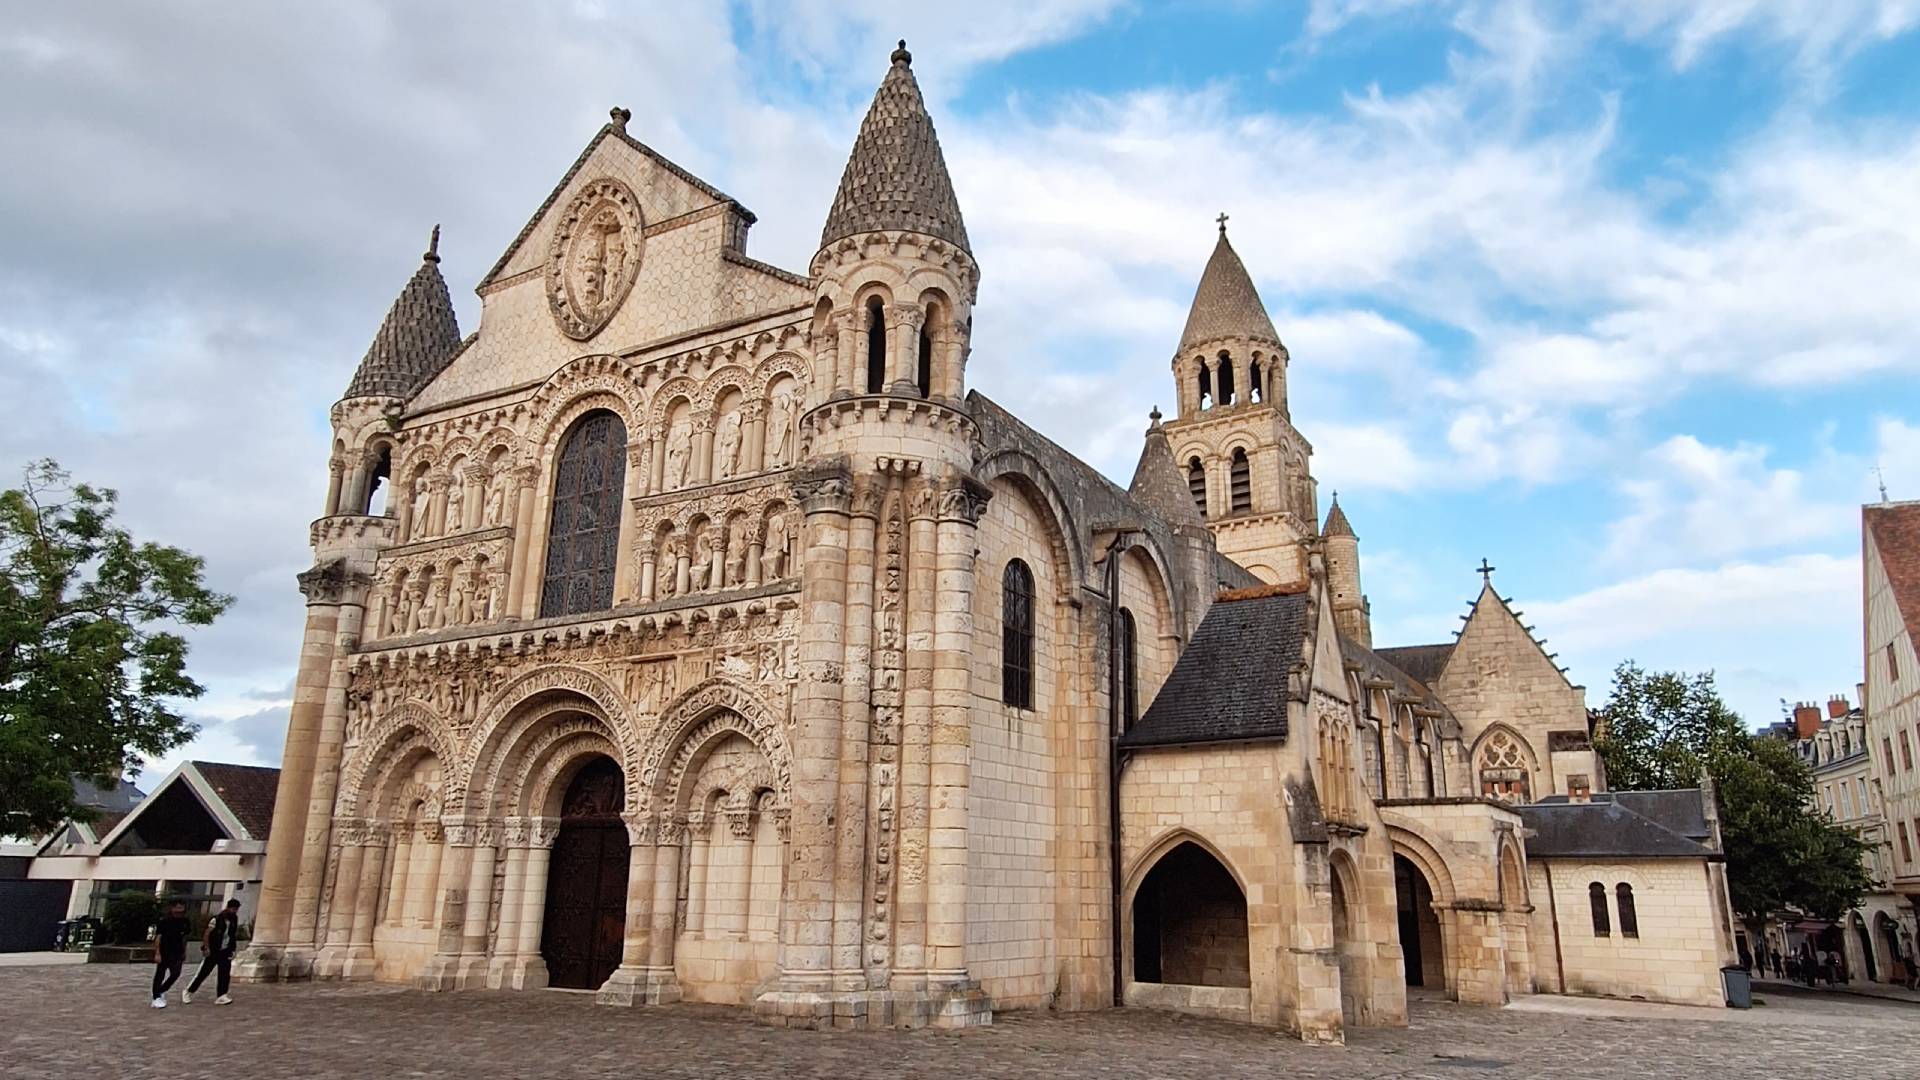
[586, 910]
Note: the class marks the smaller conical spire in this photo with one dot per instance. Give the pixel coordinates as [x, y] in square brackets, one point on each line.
[416, 338]
[1226, 305]
[896, 178]
[1337, 521]
[1158, 484]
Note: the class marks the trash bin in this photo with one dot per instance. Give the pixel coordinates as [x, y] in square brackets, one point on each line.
[1739, 986]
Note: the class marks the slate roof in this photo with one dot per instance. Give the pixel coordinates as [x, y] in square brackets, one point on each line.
[1610, 827]
[118, 799]
[1226, 304]
[248, 791]
[1423, 662]
[1230, 685]
[896, 177]
[1159, 484]
[1896, 533]
[417, 338]
[1409, 688]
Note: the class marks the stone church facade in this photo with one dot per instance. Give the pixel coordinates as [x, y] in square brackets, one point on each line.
[691, 631]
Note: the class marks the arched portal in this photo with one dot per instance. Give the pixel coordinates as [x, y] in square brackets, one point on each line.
[586, 910]
[1420, 941]
[1344, 889]
[1190, 922]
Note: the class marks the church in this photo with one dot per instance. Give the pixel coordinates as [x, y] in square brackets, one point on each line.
[691, 631]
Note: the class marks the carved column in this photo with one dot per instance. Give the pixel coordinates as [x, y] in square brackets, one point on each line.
[514, 836]
[366, 902]
[903, 360]
[649, 572]
[351, 835]
[527, 970]
[753, 438]
[471, 972]
[848, 378]
[806, 930]
[657, 465]
[623, 583]
[699, 861]
[525, 549]
[682, 566]
[961, 501]
[950, 361]
[645, 975]
[856, 699]
[700, 468]
[336, 593]
[429, 849]
[336, 476]
[438, 483]
[915, 738]
[473, 506]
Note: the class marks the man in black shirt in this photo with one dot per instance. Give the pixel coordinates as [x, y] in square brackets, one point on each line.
[223, 936]
[169, 951]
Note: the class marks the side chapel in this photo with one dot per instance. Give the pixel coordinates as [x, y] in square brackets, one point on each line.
[691, 631]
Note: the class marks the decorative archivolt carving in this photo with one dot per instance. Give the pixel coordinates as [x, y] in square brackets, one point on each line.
[701, 714]
[554, 753]
[605, 384]
[384, 745]
[504, 715]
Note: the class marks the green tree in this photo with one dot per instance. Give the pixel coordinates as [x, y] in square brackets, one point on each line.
[1668, 729]
[89, 670]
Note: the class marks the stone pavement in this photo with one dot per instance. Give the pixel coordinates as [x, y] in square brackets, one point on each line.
[1883, 991]
[94, 1021]
[41, 959]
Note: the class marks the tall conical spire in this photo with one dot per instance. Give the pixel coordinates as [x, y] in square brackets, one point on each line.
[419, 334]
[1336, 520]
[896, 178]
[1158, 484]
[1226, 305]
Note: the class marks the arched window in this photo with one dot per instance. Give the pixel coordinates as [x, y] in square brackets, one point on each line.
[1242, 479]
[1225, 379]
[1256, 390]
[1127, 653]
[379, 477]
[1016, 635]
[1503, 769]
[583, 535]
[876, 346]
[1197, 485]
[1206, 383]
[1597, 899]
[926, 355]
[1629, 918]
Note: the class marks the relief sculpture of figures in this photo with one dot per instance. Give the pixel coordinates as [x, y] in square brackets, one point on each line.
[679, 445]
[773, 558]
[702, 569]
[422, 526]
[496, 509]
[737, 553]
[726, 441]
[456, 504]
[780, 428]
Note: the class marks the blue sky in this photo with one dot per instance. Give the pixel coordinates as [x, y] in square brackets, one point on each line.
[1619, 296]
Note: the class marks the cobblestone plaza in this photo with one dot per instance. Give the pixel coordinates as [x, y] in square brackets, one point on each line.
[94, 1021]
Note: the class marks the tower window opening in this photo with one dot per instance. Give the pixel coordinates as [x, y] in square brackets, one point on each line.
[1197, 485]
[1242, 480]
[1225, 380]
[876, 346]
[1255, 388]
[1205, 384]
[378, 483]
[926, 358]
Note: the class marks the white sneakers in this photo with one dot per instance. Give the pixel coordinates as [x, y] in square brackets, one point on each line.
[223, 999]
[186, 997]
[160, 1003]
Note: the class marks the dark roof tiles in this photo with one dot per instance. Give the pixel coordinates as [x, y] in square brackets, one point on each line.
[1158, 482]
[896, 177]
[1611, 827]
[1231, 683]
[1423, 662]
[248, 791]
[1896, 533]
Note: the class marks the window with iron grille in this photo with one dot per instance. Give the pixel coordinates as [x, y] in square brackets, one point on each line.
[1197, 485]
[583, 535]
[1016, 635]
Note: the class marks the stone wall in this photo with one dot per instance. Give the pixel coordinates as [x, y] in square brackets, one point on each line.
[1676, 955]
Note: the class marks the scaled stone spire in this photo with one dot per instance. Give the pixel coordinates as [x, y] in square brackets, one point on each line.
[1158, 484]
[1226, 305]
[896, 178]
[1336, 521]
[419, 334]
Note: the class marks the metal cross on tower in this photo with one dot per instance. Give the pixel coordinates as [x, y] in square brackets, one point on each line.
[1222, 219]
[1486, 572]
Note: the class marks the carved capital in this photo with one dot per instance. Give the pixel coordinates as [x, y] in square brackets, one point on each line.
[908, 314]
[824, 489]
[963, 498]
[517, 831]
[866, 498]
[639, 828]
[429, 832]
[543, 832]
[331, 582]
[755, 409]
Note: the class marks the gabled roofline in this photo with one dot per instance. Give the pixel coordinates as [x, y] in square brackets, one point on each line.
[202, 790]
[574, 170]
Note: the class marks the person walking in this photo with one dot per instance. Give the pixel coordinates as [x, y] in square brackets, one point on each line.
[169, 951]
[223, 937]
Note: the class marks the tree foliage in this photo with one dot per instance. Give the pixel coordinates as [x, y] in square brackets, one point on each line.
[1668, 729]
[90, 668]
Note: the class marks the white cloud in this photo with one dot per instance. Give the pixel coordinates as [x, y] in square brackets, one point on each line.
[1694, 502]
[1785, 597]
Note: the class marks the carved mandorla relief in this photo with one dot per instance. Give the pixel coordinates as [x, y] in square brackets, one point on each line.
[594, 258]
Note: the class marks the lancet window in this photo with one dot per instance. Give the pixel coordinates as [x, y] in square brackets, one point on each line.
[584, 531]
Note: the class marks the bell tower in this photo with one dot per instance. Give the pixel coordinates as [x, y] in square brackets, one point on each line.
[1245, 465]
